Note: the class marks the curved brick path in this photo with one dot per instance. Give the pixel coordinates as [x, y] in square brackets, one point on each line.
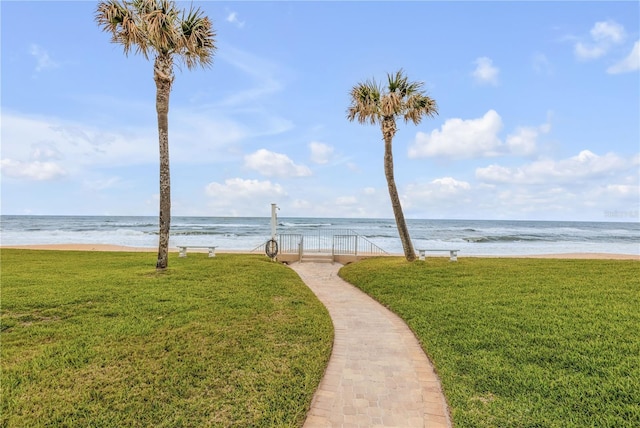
[378, 376]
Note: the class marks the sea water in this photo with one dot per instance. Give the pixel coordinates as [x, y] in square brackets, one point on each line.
[471, 237]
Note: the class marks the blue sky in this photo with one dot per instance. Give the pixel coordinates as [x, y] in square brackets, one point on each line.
[539, 107]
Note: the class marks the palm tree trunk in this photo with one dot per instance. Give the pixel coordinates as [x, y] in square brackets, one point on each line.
[163, 76]
[388, 132]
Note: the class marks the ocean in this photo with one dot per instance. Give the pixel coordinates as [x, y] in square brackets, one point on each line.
[471, 237]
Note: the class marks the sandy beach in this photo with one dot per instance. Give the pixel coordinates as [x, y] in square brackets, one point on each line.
[103, 247]
[107, 247]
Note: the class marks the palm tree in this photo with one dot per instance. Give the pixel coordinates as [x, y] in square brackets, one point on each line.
[157, 27]
[371, 103]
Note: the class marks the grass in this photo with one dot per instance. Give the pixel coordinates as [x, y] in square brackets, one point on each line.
[98, 339]
[522, 342]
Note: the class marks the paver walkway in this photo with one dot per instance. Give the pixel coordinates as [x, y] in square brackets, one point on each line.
[378, 376]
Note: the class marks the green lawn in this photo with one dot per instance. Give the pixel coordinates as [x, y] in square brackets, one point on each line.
[522, 342]
[97, 339]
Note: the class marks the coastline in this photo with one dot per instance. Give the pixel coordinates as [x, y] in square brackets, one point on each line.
[107, 247]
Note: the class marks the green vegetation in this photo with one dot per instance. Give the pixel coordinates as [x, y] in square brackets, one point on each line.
[99, 339]
[522, 342]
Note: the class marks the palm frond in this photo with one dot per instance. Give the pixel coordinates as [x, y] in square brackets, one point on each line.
[143, 7]
[365, 102]
[391, 104]
[400, 83]
[395, 81]
[161, 25]
[417, 106]
[401, 97]
[198, 38]
[122, 21]
[109, 15]
[157, 25]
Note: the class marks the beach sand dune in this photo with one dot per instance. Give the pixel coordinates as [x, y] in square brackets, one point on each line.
[84, 247]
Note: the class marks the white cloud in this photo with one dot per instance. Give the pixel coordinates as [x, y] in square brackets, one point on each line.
[232, 17]
[624, 190]
[43, 60]
[346, 201]
[194, 137]
[476, 138]
[568, 199]
[240, 197]
[438, 188]
[584, 166]
[271, 164]
[72, 145]
[541, 64]
[608, 31]
[587, 52]
[485, 72]
[36, 170]
[320, 153]
[604, 35]
[238, 191]
[241, 188]
[45, 151]
[524, 140]
[577, 188]
[630, 63]
[436, 196]
[461, 139]
[340, 207]
[450, 185]
[522, 202]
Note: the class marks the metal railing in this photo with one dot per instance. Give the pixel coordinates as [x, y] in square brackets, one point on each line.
[339, 242]
[287, 244]
[354, 244]
[329, 241]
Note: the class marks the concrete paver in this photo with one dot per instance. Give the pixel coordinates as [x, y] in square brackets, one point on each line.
[378, 375]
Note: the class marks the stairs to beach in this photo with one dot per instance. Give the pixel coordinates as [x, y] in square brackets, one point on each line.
[314, 257]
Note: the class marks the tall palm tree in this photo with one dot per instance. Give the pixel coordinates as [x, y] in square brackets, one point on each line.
[157, 27]
[373, 103]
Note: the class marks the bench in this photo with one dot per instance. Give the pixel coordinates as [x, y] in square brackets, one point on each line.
[453, 254]
[183, 249]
